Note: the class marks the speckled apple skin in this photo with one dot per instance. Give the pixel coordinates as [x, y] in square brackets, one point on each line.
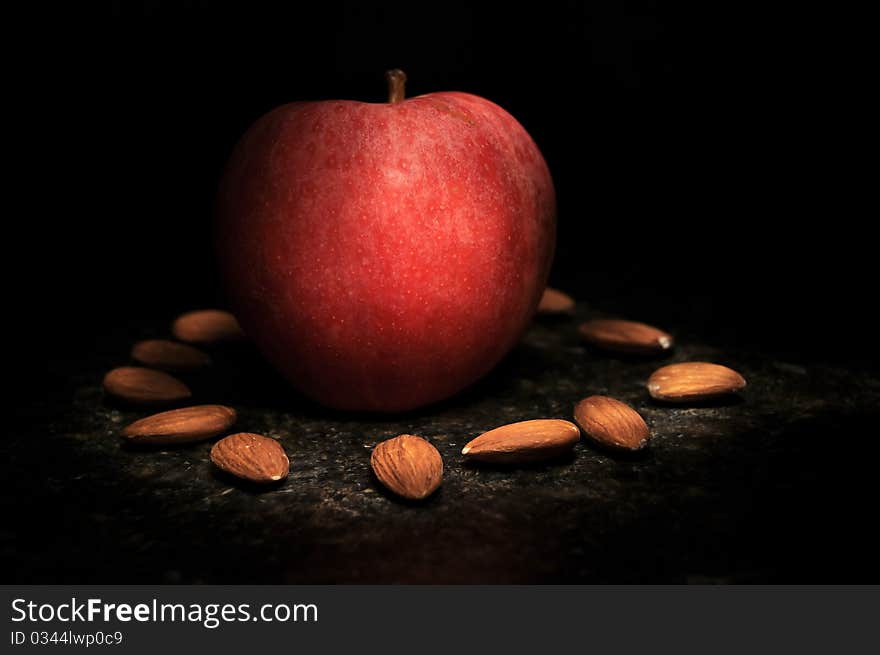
[385, 256]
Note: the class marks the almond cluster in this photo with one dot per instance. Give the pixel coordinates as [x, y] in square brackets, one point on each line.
[608, 423]
[251, 457]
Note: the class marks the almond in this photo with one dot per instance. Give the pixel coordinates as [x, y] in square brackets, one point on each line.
[555, 301]
[181, 425]
[625, 336]
[144, 386]
[408, 465]
[694, 381]
[251, 457]
[207, 326]
[169, 355]
[526, 441]
[611, 423]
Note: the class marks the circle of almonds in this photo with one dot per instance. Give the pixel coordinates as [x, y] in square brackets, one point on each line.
[409, 466]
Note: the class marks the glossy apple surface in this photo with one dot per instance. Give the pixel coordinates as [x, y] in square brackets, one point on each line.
[384, 256]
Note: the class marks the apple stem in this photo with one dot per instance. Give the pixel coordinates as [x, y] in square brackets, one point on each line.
[396, 85]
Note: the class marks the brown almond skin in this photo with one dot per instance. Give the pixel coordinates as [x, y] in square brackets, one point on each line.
[144, 386]
[694, 381]
[207, 326]
[626, 336]
[181, 425]
[251, 457]
[408, 466]
[611, 423]
[554, 301]
[169, 355]
[526, 441]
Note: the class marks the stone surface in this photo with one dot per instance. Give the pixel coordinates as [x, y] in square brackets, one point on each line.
[774, 486]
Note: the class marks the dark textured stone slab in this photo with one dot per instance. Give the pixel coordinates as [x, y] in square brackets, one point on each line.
[773, 486]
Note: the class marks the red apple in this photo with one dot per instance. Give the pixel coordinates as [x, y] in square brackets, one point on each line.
[384, 256]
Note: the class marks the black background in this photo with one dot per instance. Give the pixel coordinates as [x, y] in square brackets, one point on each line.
[688, 146]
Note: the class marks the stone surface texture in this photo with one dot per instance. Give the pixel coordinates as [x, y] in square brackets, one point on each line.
[772, 486]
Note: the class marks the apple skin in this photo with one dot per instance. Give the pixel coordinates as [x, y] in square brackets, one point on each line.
[385, 256]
